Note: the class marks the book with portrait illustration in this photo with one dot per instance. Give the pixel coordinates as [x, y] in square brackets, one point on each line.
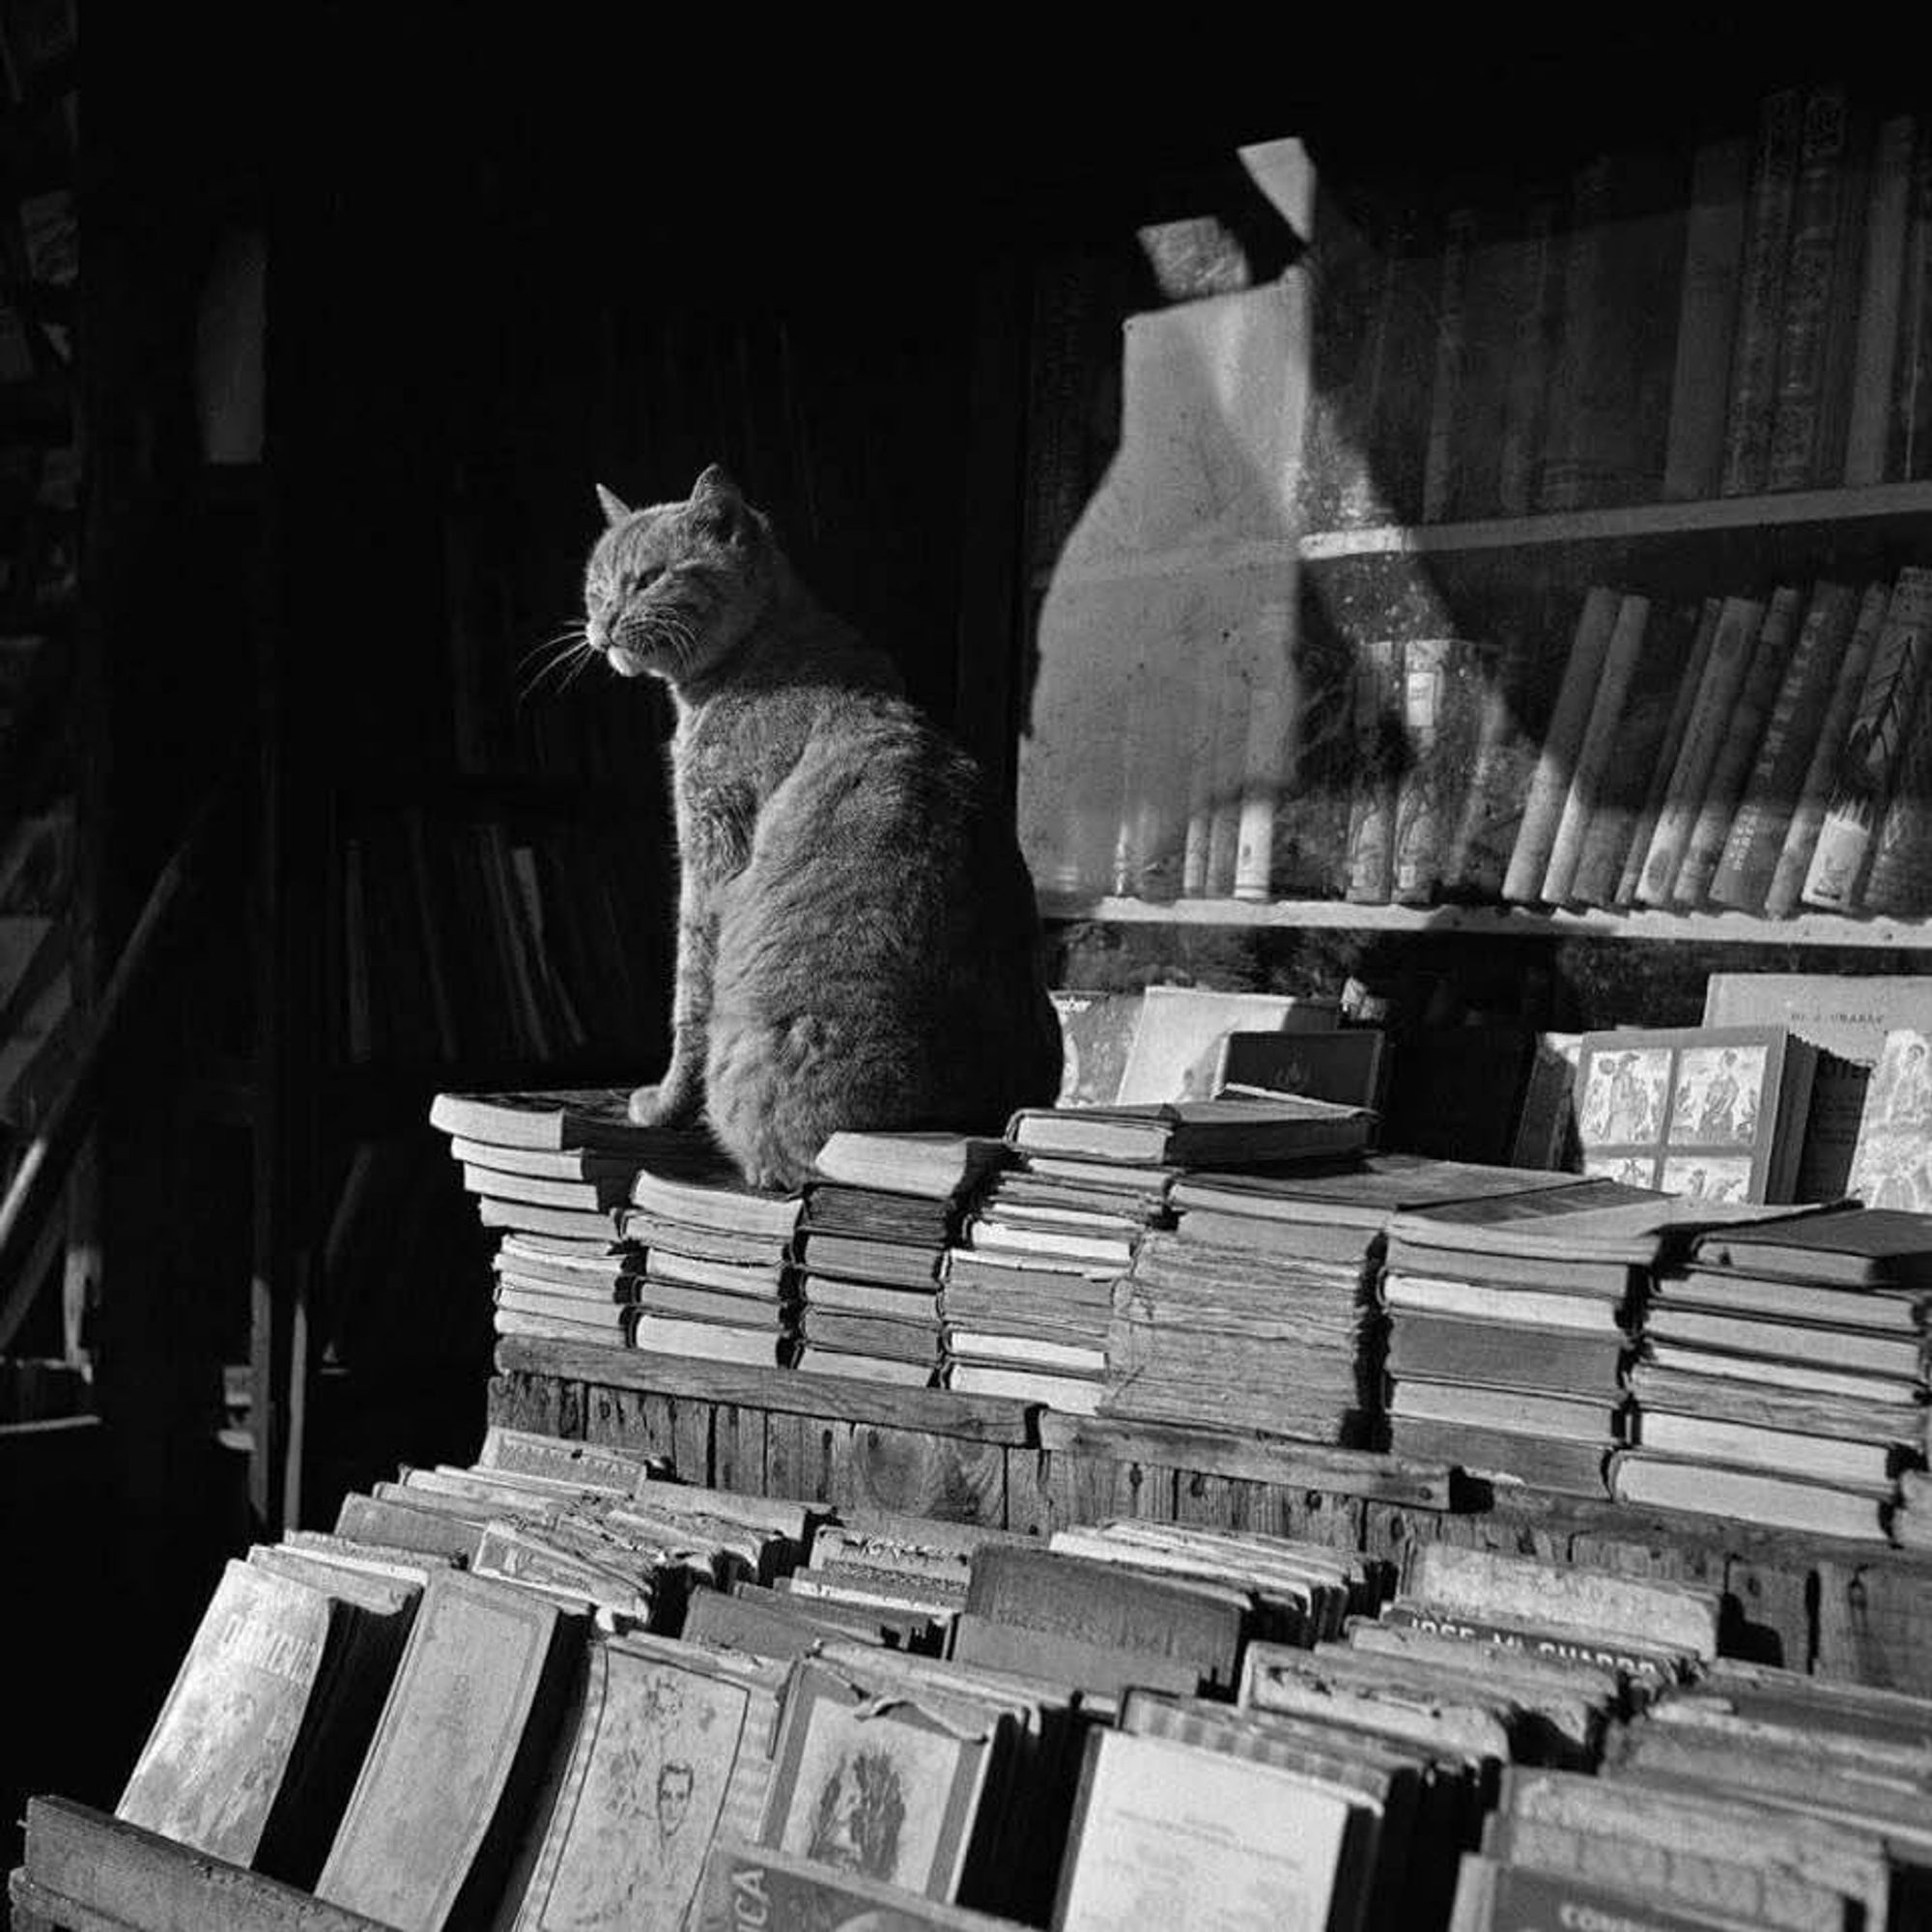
[1715, 1114]
[1891, 1164]
[890, 1788]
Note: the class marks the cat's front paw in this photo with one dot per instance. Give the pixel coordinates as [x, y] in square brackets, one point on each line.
[670, 1103]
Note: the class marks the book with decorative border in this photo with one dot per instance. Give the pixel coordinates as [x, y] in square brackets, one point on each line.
[1713, 1113]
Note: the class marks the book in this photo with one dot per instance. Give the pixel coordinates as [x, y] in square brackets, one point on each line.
[1853, 1463]
[1621, 657]
[760, 1345]
[1491, 1896]
[883, 1786]
[590, 1119]
[1563, 1418]
[1367, 875]
[1875, 348]
[1439, 442]
[1441, 687]
[594, 1193]
[1510, 712]
[1714, 248]
[1819, 259]
[1753, 381]
[1504, 1355]
[1198, 1134]
[1709, 828]
[748, 1885]
[1569, 720]
[1861, 1248]
[1096, 1031]
[1858, 1350]
[936, 1166]
[671, 1750]
[1153, 1824]
[1814, 1509]
[1533, 354]
[1771, 790]
[430, 1828]
[1909, 430]
[1899, 877]
[258, 1742]
[1807, 816]
[1345, 1066]
[718, 1201]
[1726, 667]
[1891, 1160]
[1715, 1113]
[1179, 1033]
[1872, 744]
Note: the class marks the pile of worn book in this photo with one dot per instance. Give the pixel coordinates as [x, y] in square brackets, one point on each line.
[534, 1692]
[873, 1246]
[1259, 1310]
[1781, 1378]
[620, 1234]
[1069, 1280]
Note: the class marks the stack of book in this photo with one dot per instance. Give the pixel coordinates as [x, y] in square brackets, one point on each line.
[716, 1279]
[871, 1250]
[1510, 1321]
[1782, 1375]
[1030, 1283]
[554, 1172]
[1302, 1251]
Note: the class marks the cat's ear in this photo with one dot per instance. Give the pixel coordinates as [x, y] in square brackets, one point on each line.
[614, 508]
[717, 502]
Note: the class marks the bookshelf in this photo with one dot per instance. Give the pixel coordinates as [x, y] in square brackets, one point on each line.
[1312, 533]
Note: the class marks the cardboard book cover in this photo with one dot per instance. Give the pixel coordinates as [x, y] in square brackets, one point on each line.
[1892, 1162]
[1713, 1114]
[889, 1788]
[1096, 1031]
[1177, 1039]
[753, 1889]
[671, 1750]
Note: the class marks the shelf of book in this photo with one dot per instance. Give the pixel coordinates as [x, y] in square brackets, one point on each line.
[1630, 523]
[1844, 1611]
[1706, 928]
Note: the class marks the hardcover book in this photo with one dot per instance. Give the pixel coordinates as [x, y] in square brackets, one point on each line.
[464, 1737]
[1345, 1066]
[750, 1886]
[1195, 1133]
[1179, 1034]
[1714, 1112]
[587, 1118]
[1891, 1164]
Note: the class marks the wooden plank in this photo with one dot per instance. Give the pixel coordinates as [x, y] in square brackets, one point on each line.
[1315, 1516]
[785, 1457]
[1768, 1612]
[526, 1402]
[791, 1391]
[922, 1475]
[738, 1449]
[1204, 1500]
[122, 1872]
[1027, 1487]
[691, 1440]
[1874, 1622]
[1258, 1459]
[38, 1910]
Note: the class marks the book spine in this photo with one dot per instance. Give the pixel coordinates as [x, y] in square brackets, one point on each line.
[1841, 311]
[1525, 398]
[1435, 701]
[1743, 872]
[1910, 451]
[1713, 247]
[1548, 786]
[1620, 660]
[1560, 479]
[1202, 745]
[1872, 745]
[1729, 658]
[1261, 771]
[1643, 826]
[1807, 288]
[1445, 402]
[1743, 734]
[1900, 880]
[1808, 815]
[1470, 861]
[1875, 349]
[1753, 396]
[1371, 853]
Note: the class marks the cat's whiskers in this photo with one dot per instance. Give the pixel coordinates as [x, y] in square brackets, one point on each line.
[569, 656]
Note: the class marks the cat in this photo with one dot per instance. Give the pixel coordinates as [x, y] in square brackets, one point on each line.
[858, 945]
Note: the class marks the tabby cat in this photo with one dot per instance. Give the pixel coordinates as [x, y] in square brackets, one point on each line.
[858, 945]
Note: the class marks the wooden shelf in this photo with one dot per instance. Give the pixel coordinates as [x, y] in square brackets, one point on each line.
[1632, 522]
[1699, 928]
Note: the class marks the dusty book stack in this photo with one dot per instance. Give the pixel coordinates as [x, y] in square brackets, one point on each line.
[1782, 1376]
[1259, 1310]
[554, 1172]
[717, 1279]
[871, 1250]
[1511, 1320]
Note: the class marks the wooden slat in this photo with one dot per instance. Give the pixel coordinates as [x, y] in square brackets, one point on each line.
[976, 1418]
[917, 1474]
[35, 1909]
[1255, 1458]
[121, 1873]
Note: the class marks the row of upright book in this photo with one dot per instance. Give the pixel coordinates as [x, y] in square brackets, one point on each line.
[1759, 754]
[1754, 315]
[560, 1689]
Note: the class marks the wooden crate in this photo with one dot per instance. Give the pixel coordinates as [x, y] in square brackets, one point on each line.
[1849, 1610]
